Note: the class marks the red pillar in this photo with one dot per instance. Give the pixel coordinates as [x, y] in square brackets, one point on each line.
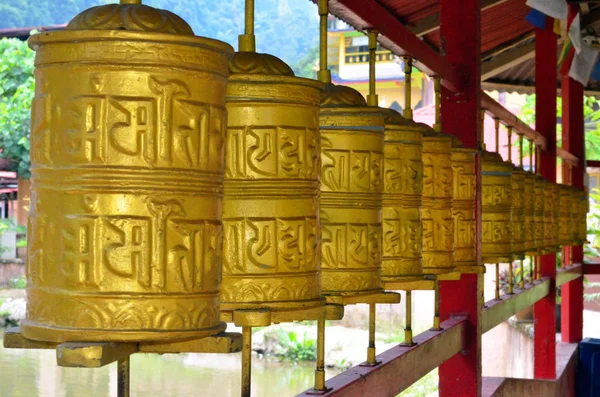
[573, 142]
[460, 27]
[545, 108]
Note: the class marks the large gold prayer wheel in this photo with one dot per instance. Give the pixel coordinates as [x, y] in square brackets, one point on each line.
[438, 222]
[518, 213]
[496, 189]
[463, 205]
[352, 144]
[549, 207]
[271, 201]
[555, 217]
[402, 200]
[125, 231]
[565, 215]
[581, 203]
[529, 206]
[539, 214]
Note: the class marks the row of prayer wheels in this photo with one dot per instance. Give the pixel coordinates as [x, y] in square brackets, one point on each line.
[176, 184]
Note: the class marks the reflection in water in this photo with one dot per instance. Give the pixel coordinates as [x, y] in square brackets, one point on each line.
[34, 373]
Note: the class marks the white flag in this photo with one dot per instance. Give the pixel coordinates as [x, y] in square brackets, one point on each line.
[553, 8]
[583, 64]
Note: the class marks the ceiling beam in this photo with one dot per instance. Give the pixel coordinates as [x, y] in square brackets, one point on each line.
[507, 60]
[431, 23]
[363, 14]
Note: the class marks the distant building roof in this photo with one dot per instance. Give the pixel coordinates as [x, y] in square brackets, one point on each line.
[24, 33]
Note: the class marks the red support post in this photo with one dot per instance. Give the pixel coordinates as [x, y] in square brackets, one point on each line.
[573, 141]
[461, 375]
[545, 109]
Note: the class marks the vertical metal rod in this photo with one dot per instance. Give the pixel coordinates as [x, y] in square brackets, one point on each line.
[249, 20]
[320, 371]
[408, 335]
[497, 132]
[482, 122]
[372, 99]
[531, 156]
[371, 349]
[497, 281]
[437, 87]
[521, 150]
[537, 267]
[509, 144]
[522, 283]
[510, 278]
[246, 361]
[324, 75]
[407, 112]
[436, 308]
[247, 41]
[123, 377]
[531, 268]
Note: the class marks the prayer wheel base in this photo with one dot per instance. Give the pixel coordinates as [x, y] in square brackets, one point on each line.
[39, 332]
[256, 315]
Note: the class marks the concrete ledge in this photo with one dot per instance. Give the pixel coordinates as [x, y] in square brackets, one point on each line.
[563, 386]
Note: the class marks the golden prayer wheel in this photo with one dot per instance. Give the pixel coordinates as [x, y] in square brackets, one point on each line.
[352, 143]
[438, 223]
[529, 207]
[581, 205]
[539, 213]
[270, 205]
[565, 215]
[496, 190]
[549, 211]
[518, 213]
[556, 216]
[125, 231]
[402, 200]
[463, 205]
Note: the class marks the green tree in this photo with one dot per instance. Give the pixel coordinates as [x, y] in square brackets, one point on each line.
[16, 93]
[591, 114]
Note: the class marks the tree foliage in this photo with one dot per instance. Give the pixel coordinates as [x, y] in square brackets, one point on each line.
[16, 93]
[591, 114]
[287, 29]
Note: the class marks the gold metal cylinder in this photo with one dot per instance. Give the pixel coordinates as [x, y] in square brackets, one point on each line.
[352, 143]
[438, 223]
[402, 200]
[529, 207]
[565, 214]
[549, 197]
[518, 213]
[539, 213]
[496, 236]
[124, 239]
[581, 204]
[270, 204]
[463, 206]
[556, 216]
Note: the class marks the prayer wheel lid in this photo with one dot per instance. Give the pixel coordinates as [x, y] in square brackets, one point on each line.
[248, 62]
[393, 117]
[492, 158]
[130, 15]
[339, 95]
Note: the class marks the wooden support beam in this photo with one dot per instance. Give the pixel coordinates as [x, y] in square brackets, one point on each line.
[461, 114]
[507, 60]
[498, 311]
[398, 38]
[591, 268]
[545, 123]
[401, 366]
[431, 23]
[574, 142]
[568, 274]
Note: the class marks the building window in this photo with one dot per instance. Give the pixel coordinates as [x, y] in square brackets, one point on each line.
[357, 51]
